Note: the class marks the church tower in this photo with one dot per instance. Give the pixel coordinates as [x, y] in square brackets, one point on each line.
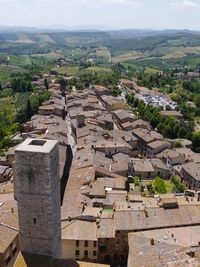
[37, 186]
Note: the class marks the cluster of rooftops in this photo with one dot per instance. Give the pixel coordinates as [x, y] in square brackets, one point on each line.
[111, 144]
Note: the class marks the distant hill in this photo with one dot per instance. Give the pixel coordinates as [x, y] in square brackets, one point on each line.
[23, 40]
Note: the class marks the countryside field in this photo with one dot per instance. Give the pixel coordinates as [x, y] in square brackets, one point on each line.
[129, 56]
[68, 70]
[153, 52]
[7, 71]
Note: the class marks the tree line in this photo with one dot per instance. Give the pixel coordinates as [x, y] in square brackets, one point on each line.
[24, 102]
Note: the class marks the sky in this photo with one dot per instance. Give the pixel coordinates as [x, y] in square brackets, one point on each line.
[117, 14]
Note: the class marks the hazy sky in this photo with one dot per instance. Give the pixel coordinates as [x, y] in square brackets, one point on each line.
[179, 14]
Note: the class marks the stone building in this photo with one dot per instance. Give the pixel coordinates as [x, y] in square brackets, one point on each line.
[9, 244]
[191, 175]
[79, 241]
[156, 147]
[38, 197]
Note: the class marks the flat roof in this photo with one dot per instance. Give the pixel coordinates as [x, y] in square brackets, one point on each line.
[36, 145]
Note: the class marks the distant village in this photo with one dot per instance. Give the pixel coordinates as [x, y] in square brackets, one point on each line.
[106, 217]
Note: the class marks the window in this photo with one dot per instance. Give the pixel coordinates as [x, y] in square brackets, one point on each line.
[95, 244]
[94, 253]
[77, 252]
[103, 248]
[34, 220]
[85, 253]
[77, 243]
[86, 243]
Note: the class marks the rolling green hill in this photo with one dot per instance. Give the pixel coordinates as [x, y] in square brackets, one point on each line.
[154, 49]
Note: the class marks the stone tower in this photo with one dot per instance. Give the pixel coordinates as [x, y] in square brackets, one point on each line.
[38, 196]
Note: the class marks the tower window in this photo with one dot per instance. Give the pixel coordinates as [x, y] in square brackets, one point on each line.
[34, 220]
[86, 243]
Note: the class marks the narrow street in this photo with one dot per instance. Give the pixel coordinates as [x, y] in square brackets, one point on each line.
[70, 137]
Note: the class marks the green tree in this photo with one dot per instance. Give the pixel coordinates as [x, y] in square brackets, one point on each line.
[167, 131]
[29, 110]
[160, 185]
[196, 142]
[178, 186]
[182, 133]
[115, 91]
[160, 127]
[197, 100]
[46, 84]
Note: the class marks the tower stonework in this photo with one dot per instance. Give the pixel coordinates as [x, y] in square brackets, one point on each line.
[38, 196]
